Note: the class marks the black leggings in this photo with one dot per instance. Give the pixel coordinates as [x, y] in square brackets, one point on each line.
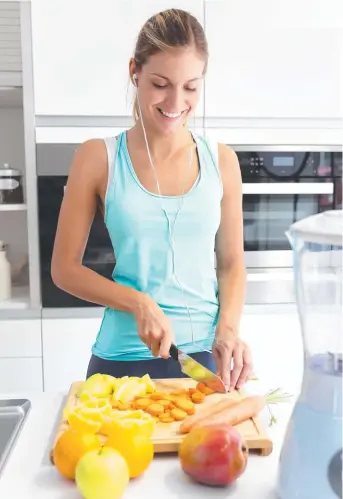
[156, 368]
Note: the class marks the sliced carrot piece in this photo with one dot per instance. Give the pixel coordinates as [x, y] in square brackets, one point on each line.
[157, 396]
[198, 397]
[201, 387]
[155, 409]
[178, 414]
[166, 418]
[185, 405]
[123, 407]
[142, 403]
[166, 403]
[180, 392]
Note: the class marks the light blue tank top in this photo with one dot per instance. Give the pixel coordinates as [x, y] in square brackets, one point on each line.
[140, 236]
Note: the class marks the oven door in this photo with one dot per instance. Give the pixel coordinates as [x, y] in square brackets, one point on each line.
[98, 255]
[268, 211]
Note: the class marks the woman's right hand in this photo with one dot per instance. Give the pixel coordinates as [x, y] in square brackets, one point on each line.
[153, 327]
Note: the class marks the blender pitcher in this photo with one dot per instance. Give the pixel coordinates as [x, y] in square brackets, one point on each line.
[310, 465]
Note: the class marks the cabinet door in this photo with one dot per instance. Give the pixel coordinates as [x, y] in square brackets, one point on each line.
[81, 53]
[67, 347]
[20, 338]
[266, 62]
[20, 375]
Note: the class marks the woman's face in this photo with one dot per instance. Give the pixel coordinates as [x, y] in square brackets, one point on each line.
[169, 88]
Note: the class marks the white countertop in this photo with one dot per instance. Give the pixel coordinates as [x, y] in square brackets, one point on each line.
[28, 473]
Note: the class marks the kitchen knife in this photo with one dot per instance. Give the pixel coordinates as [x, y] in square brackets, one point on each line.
[196, 371]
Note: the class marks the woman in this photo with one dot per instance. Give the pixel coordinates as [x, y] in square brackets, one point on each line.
[168, 200]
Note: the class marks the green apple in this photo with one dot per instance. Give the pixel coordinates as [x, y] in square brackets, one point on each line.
[102, 474]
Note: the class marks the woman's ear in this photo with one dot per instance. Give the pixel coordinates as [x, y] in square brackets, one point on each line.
[132, 71]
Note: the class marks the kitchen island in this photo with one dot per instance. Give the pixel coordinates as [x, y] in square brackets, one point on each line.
[29, 474]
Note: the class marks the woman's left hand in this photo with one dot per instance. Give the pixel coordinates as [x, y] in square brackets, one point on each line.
[228, 348]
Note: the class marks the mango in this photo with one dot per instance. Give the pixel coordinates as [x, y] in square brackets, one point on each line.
[214, 455]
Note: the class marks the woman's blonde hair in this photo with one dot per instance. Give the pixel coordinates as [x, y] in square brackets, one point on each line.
[166, 30]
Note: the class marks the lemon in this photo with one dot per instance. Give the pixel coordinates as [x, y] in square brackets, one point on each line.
[109, 423]
[98, 405]
[98, 385]
[84, 422]
[131, 414]
[85, 396]
[144, 424]
[150, 385]
[120, 381]
[129, 390]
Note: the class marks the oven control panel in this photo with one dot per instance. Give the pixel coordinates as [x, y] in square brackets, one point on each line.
[287, 165]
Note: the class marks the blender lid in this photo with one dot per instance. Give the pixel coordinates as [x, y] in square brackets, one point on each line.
[321, 228]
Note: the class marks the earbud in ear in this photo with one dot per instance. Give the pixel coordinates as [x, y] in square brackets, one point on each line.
[135, 79]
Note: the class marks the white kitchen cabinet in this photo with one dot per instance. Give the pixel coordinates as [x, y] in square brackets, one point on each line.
[21, 375]
[81, 53]
[10, 44]
[67, 347]
[20, 338]
[273, 61]
[20, 356]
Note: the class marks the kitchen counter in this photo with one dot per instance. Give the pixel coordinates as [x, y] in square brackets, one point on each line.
[28, 473]
[90, 312]
[278, 358]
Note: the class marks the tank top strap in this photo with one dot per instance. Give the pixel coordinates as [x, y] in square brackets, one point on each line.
[213, 149]
[111, 148]
[209, 152]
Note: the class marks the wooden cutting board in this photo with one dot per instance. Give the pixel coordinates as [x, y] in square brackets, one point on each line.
[166, 439]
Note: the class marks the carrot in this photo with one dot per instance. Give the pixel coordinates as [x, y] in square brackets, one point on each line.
[206, 412]
[157, 396]
[201, 387]
[245, 409]
[185, 405]
[166, 418]
[141, 403]
[178, 414]
[155, 409]
[198, 397]
[166, 403]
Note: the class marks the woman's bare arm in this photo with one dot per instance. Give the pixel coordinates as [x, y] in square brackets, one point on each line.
[88, 174]
[229, 242]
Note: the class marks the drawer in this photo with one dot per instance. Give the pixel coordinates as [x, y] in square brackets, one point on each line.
[21, 375]
[20, 338]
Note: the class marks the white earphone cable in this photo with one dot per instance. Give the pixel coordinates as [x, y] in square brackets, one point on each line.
[171, 226]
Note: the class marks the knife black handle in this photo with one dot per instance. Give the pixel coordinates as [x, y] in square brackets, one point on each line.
[174, 352]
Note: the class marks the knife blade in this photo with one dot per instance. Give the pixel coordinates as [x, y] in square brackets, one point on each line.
[197, 371]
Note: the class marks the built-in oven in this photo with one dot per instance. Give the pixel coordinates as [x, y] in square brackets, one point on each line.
[280, 186]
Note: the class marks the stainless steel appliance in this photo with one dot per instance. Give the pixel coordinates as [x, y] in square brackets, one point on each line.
[282, 184]
[13, 416]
